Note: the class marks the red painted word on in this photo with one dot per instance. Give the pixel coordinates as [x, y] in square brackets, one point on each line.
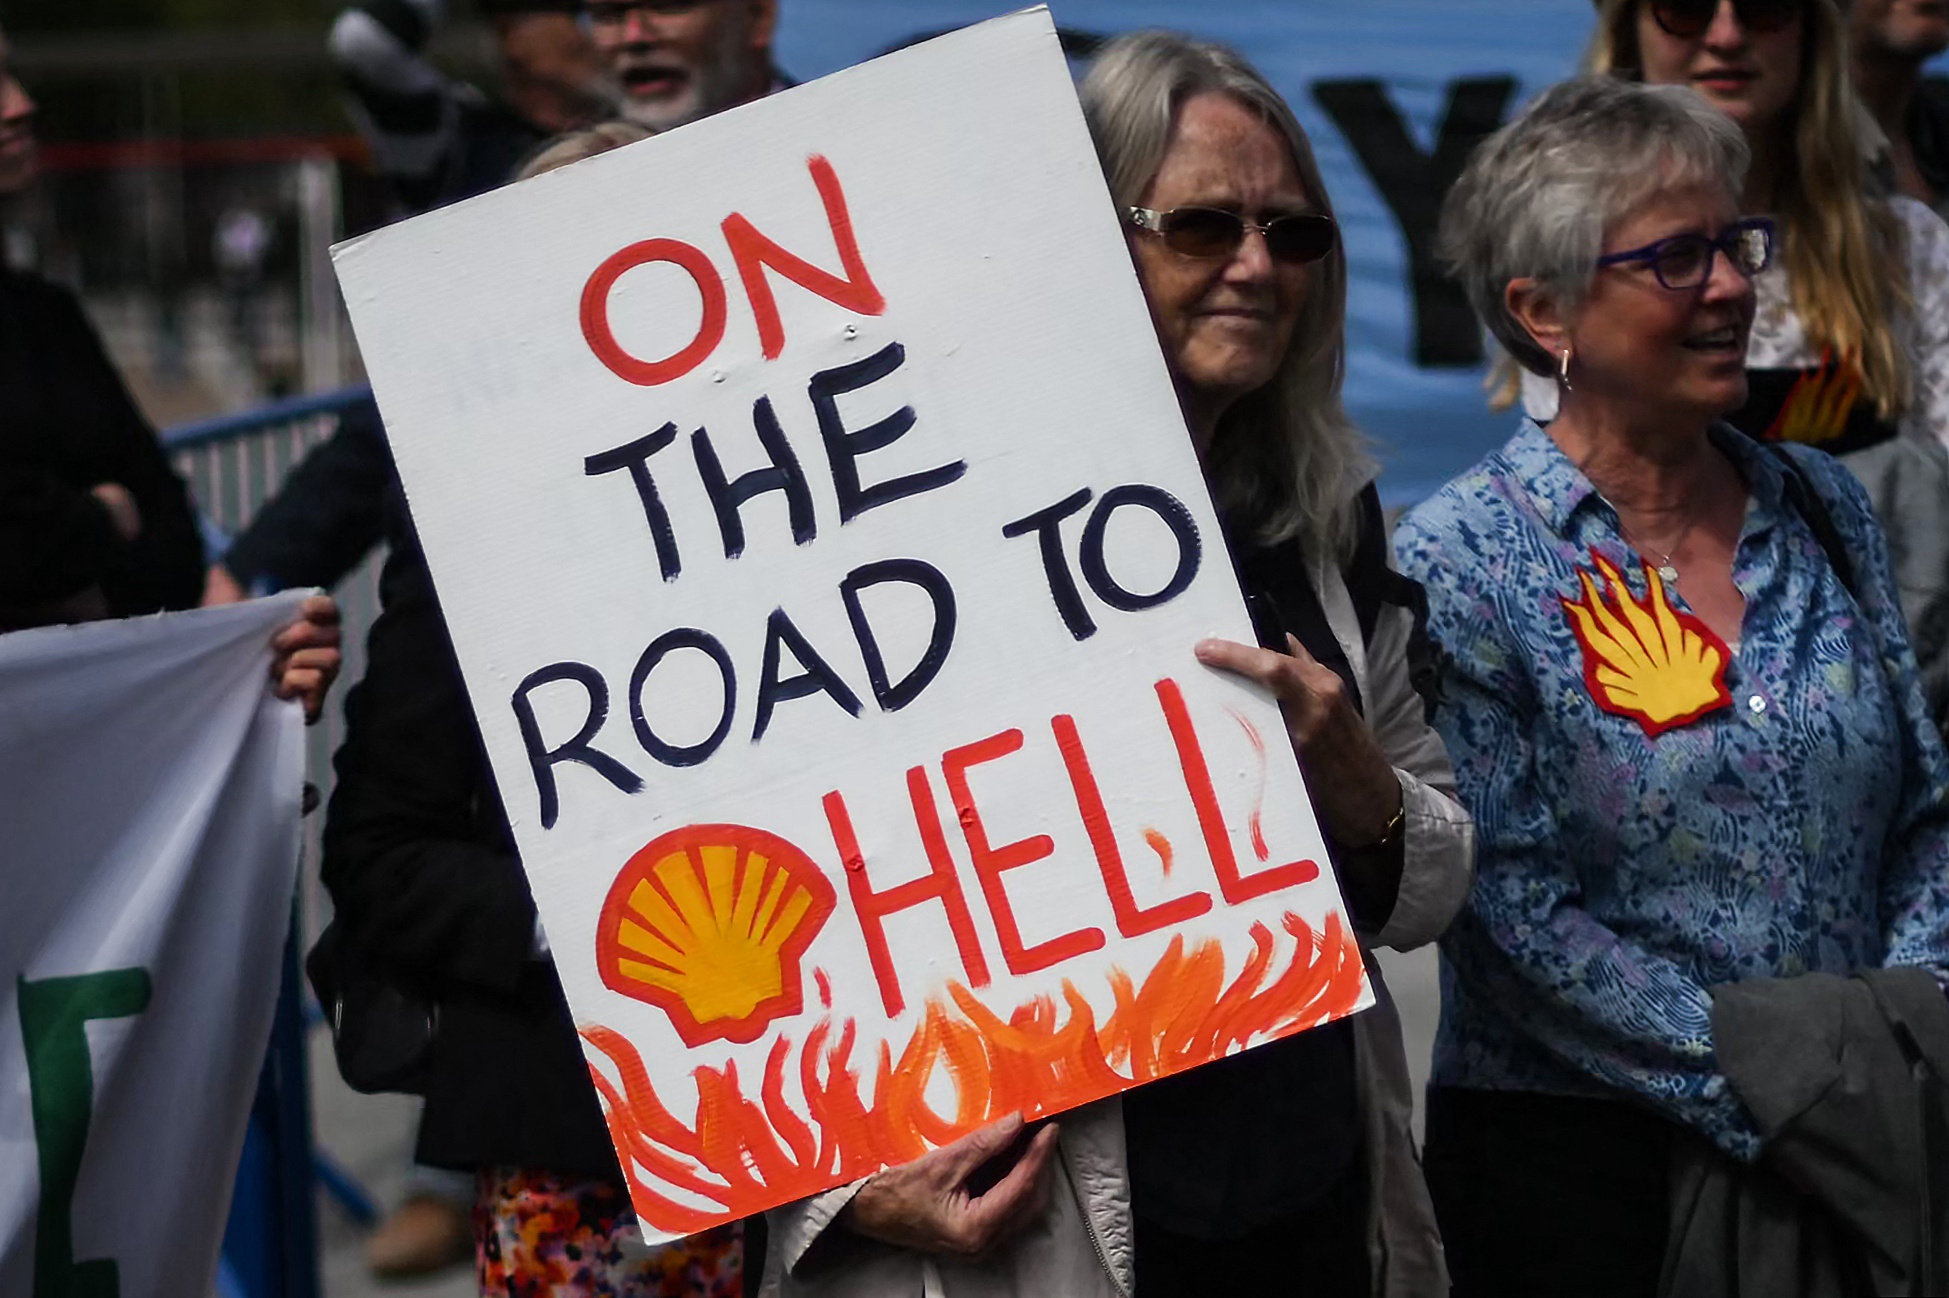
[753, 253]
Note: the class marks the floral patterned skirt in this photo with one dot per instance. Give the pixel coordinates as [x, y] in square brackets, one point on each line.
[539, 1235]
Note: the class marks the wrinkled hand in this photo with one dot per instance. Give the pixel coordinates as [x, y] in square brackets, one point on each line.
[1354, 788]
[307, 655]
[123, 514]
[926, 1205]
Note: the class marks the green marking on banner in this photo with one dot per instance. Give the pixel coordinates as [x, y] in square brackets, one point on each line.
[61, 1079]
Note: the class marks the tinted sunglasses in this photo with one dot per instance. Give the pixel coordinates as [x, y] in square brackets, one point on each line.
[1214, 232]
[1688, 19]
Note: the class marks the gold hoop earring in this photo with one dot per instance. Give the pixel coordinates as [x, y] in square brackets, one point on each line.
[1563, 369]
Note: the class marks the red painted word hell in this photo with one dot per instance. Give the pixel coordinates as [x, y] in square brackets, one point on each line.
[992, 860]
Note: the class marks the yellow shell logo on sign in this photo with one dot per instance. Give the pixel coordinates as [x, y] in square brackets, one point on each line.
[1646, 660]
[709, 923]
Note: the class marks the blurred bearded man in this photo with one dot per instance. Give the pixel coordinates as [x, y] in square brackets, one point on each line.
[675, 61]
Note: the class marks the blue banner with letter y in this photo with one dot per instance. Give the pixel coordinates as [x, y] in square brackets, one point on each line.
[1393, 93]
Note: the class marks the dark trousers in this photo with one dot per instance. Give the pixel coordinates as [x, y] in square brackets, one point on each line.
[757, 1238]
[1318, 1252]
[1547, 1195]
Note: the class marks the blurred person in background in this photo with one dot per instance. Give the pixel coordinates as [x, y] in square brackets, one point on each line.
[240, 245]
[19, 151]
[1849, 350]
[429, 897]
[434, 141]
[660, 63]
[675, 61]
[74, 450]
[437, 141]
[1892, 40]
[94, 522]
[1682, 707]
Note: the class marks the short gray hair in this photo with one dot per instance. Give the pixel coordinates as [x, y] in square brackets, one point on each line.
[1538, 195]
[1286, 460]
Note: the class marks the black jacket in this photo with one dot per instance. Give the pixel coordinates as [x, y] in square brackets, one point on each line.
[66, 425]
[429, 893]
[326, 516]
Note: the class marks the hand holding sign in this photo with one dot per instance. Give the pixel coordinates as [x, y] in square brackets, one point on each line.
[307, 657]
[937, 1203]
[1354, 788]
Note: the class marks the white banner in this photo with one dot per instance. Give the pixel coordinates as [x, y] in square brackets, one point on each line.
[149, 799]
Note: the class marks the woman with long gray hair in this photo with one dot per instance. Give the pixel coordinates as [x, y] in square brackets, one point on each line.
[1288, 1168]
[1680, 699]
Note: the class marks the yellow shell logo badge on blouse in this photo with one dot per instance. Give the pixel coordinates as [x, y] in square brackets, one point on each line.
[709, 923]
[1644, 659]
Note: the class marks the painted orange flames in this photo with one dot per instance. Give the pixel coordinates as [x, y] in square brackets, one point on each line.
[743, 1153]
[1660, 666]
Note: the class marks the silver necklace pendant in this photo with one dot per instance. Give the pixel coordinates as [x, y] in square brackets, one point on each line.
[1668, 574]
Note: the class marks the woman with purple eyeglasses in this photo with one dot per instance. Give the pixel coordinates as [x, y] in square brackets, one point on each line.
[1678, 694]
[1849, 349]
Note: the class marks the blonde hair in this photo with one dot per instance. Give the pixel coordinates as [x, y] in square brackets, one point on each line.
[1836, 244]
[1285, 460]
[577, 145]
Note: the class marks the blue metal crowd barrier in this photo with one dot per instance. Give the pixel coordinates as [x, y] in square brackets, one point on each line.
[270, 1243]
[259, 419]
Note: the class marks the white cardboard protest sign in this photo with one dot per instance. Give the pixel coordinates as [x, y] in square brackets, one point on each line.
[824, 552]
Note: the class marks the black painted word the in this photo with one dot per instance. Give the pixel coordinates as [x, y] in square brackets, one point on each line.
[844, 448]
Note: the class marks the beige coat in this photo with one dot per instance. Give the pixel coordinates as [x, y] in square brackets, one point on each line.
[1081, 1247]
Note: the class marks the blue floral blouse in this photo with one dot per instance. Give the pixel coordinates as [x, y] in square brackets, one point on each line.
[1629, 857]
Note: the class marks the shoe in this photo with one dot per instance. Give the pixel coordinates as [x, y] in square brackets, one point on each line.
[421, 1237]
